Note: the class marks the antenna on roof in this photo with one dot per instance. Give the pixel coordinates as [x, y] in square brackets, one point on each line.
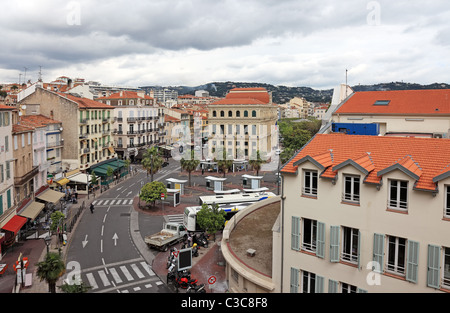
[346, 71]
[40, 74]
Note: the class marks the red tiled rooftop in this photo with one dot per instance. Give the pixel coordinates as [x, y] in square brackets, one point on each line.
[421, 158]
[430, 101]
[37, 120]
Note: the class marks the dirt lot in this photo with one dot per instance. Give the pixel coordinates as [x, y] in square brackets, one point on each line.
[255, 232]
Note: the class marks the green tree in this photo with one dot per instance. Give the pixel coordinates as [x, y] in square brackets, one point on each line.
[75, 288]
[211, 219]
[256, 162]
[109, 173]
[224, 164]
[57, 218]
[51, 269]
[152, 191]
[189, 165]
[152, 161]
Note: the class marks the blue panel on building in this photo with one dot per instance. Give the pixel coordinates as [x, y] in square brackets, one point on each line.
[357, 128]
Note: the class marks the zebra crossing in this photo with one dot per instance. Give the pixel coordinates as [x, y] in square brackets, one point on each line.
[121, 277]
[113, 201]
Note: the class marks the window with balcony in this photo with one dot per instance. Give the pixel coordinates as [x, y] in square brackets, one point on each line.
[396, 255]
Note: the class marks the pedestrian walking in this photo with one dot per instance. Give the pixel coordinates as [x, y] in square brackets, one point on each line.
[91, 207]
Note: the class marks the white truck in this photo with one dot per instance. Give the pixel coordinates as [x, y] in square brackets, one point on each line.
[171, 234]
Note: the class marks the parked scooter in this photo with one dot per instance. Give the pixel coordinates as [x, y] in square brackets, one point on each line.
[171, 258]
[181, 279]
[194, 250]
[201, 239]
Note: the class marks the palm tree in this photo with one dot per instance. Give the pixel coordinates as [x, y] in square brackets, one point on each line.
[189, 165]
[256, 162]
[51, 269]
[152, 161]
[225, 163]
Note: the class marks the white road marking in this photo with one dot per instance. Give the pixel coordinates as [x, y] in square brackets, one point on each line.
[91, 280]
[115, 275]
[137, 271]
[126, 273]
[104, 278]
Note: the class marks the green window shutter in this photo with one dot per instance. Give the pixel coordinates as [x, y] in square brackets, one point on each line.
[412, 261]
[333, 286]
[295, 233]
[334, 243]
[320, 251]
[8, 199]
[319, 284]
[1, 204]
[433, 265]
[378, 251]
[294, 280]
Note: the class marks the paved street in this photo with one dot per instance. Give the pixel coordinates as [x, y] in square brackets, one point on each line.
[108, 246]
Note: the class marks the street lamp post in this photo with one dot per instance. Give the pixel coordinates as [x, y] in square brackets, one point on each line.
[47, 241]
[278, 152]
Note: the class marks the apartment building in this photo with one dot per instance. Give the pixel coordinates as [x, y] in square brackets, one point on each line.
[367, 214]
[7, 205]
[418, 113]
[242, 123]
[136, 122]
[87, 126]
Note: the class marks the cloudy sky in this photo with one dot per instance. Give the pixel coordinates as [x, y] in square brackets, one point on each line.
[192, 42]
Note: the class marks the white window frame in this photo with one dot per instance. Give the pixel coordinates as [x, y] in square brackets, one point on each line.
[311, 190]
[445, 281]
[312, 245]
[350, 195]
[397, 204]
[309, 279]
[396, 268]
[350, 256]
[447, 202]
[347, 288]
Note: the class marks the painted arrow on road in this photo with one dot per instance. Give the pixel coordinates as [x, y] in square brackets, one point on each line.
[84, 243]
[115, 237]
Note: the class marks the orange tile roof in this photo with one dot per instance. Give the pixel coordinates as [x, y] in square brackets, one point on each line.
[37, 120]
[238, 101]
[85, 103]
[424, 159]
[6, 107]
[19, 128]
[125, 94]
[258, 93]
[430, 101]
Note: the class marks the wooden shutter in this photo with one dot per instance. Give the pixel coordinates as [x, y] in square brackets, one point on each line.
[295, 233]
[320, 235]
[378, 251]
[334, 243]
[333, 286]
[433, 264]
[319, 284]
[412, 261]
[294, 280]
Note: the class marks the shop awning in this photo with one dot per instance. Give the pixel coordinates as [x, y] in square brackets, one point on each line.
[99, 171]
[50, 196]
[15, 224]
[32, 210]
[63, 181]
[111, 149]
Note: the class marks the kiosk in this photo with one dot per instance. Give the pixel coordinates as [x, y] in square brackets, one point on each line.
[214, 183]
[174, 183]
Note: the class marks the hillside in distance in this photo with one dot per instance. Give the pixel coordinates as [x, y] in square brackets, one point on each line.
[282, 94]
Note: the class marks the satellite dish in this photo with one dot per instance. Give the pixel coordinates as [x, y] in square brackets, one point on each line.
[24, 107]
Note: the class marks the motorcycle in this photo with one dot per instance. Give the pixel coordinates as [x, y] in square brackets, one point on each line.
[181, 279]
[194, 250]
[171, 258]
[201, 240]
[196, 289]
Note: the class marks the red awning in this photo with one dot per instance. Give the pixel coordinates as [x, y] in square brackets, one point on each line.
[15, 224]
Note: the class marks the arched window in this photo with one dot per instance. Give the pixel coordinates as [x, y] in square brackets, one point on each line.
[222, 114]
[230, 114]
[253, 113]
[245, 113]
[214, 113]
[238, 113]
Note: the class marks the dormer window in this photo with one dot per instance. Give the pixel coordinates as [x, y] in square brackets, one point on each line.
[310, 183]
[398, 195]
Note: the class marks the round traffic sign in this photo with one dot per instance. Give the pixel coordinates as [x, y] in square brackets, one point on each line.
[212, 280]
